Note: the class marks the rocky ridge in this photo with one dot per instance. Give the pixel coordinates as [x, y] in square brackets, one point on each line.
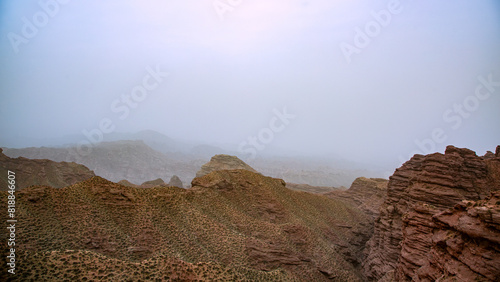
[368, 194]
[420, 223]
[132, 160]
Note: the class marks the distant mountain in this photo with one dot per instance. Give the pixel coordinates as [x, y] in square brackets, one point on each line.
[175, 181]
[158, 156]
[312, 189]
[153, 139]
[41, 172]
[131, 160]
[232, 225]
[309, 171]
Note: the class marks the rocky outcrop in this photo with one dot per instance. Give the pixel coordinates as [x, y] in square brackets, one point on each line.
[368, 194]
[41, 172]
[175, 181]
[223, 162]
[410, 227]
[153, 183]
[127, 183]
[465, 243]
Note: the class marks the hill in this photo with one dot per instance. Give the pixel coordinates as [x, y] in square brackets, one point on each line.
[41, 172]
[232, 224]
[131, 160]
[223, 162]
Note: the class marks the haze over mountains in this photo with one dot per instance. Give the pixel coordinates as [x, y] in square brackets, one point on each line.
[149, 155]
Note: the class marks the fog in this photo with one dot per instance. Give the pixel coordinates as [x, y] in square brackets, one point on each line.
[367, 81]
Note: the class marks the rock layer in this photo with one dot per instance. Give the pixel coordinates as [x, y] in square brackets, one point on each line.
[411, 216]
[465, 243]
[367, 194]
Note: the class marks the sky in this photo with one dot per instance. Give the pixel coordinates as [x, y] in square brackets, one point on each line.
[369, 81]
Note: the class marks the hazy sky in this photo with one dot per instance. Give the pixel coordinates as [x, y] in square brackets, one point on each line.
[367, 80]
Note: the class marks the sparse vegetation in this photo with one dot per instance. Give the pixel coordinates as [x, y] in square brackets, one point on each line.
[231, 226]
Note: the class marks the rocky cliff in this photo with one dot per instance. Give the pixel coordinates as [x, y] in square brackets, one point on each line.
[223, 162]
[420, 234]
[41, 172]
[465, 243]
[368, 194]
[365, 194]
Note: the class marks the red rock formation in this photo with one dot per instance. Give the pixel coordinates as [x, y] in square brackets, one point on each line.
[465, 243]
[419, 190]
[368, 194]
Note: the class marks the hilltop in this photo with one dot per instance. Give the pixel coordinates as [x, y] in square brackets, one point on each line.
[223, 162]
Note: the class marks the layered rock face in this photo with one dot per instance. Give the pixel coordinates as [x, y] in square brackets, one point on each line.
[41, 172]
[366, 194]
[223, 162]
[408, 237]
[465, 243]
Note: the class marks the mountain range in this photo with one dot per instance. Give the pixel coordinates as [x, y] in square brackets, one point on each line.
[148, 155]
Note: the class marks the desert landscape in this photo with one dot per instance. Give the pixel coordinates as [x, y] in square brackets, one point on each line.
[436, 218]
[233, 140]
